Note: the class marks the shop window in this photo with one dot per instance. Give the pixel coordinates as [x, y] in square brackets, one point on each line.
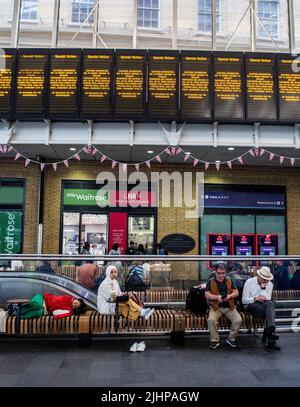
[71, 233]
[148, 13]
[94, 231]
[81, 11]
[141, 231]
[29, 10]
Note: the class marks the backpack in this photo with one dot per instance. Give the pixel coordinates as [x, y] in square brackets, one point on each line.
[196, 301]
[134, 283]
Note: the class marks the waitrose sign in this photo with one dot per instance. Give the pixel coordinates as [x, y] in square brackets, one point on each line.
[86, 197]
[10, 232]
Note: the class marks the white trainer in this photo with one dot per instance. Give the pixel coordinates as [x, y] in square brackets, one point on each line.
[141, 347]
[134, 347]
[149, 313]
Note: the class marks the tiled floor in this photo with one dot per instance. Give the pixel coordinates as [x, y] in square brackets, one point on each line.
[108, 363]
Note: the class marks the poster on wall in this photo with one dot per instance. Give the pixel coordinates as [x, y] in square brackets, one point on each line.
[218, 245]
[10, 232]
[267, 245]
[118, 230]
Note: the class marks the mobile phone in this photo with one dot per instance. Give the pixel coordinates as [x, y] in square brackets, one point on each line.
[223, 297]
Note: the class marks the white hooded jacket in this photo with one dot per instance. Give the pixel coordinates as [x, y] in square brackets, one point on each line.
[105, 291]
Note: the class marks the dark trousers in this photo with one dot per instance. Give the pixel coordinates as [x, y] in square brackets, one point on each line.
[265, 310]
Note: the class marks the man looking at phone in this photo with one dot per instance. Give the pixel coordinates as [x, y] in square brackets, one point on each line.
[256, 298]
[220, 292]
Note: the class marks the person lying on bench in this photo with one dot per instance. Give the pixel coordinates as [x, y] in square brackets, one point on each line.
[109, 293]
[256, 298]
[60, 306]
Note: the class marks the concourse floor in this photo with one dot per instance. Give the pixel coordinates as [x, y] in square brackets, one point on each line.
[109, 363]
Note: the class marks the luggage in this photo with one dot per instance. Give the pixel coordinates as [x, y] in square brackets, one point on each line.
[196, 301]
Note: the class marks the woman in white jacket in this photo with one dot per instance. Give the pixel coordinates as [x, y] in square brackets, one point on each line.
[109, 289]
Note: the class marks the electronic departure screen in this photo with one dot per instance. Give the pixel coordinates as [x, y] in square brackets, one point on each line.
[130, 84]
[228, 71]
[96, 92]
[288, 88]
[31, 77]
[163, 100]
[7, 70]
[63, 96]
[260, 87]
[196, 85]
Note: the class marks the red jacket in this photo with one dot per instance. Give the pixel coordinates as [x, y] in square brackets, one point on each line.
[55, 302]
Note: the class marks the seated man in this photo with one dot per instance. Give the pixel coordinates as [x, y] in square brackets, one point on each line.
[256, 298]
[220, 292]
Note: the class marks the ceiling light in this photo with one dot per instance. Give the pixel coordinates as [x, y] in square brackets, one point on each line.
[188, 153]
[230, 148]
[150, 152]
[72, 149]
[218, 161]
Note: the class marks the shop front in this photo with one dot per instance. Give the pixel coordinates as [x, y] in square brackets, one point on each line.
[91, 213]
[243, 221]
[11, 215]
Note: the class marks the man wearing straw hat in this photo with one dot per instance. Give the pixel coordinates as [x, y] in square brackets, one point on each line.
[256, 298]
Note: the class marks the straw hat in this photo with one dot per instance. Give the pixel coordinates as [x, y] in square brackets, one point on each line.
[265, 273]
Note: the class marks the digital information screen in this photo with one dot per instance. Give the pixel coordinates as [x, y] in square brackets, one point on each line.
[261, 98]
[96, 92]
[7, 72]
[196, 86]
[243, 250]
[163, 100]
[64, 95]
[288, 88]
[130, 84]
[31, 77]
[229, 99]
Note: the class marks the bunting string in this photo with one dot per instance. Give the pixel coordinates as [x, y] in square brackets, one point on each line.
[168, 151]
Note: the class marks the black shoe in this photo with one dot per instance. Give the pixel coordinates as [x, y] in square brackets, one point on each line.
[264, 337]
[273, 346]
[274, 337]
[214, 345]
[232, 344]
[269, 334]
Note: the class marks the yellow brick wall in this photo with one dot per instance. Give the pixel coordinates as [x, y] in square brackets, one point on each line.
[12, 169]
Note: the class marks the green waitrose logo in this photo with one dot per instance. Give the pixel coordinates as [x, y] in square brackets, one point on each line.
[86, 197]
[10, 232]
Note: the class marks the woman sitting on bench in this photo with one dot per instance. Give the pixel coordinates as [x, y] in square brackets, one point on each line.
[60, 306]
[109, 293]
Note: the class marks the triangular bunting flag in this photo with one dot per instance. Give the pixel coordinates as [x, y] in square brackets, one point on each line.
[66, 162]
[178, 150]
[148, 164]
[1, 149]
[195, 162]
[113, 164]
[94, 151]
[9, 148]
[217, 166]
[54, 166]
[173, 149]
[168, 151]
[42, 165]
[292, 161]
[256, 152]
[271, 156]
[77, 157]
[5, 149]
[27, 162]
[186, 157]
[206, 165]
[240, 160]
[137, 166]
[229, 163]
[85, 149]
[252, 152]
[281, 159]
[261, 152]
[103, 158]
[18, 155]
[158, 158]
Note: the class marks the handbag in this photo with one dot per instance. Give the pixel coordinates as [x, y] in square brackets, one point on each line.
[122, 298]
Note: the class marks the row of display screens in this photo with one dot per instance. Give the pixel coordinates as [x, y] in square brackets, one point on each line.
[195, 86]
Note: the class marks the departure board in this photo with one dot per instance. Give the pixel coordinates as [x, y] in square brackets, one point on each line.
[96, 92]
[130, 84]
[64, 82]
[7, 71]
[261, 98]
[228, 69]
[288, 88]
[31, 76]
[196, 86]
[163, 75]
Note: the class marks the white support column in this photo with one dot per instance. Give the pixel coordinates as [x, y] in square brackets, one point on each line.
[214, 25]
[15, 28]
[253, 25]
[96, 25]
[134, 34]
[215, 134]
[90, 132]
[131, 133]
[48, 131]
[291, 22]
[174, 24]
[55, 28]
[256, 134]
[297, 136]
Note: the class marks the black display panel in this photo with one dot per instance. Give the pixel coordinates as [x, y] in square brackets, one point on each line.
[243, 245]
[288, 88]
[130, 84]
[97, 84]
[64, 84]
[7, 75]
[228, 73]
[196, 86]
[267, 245]
[261, 101]
[163, 97]
[31, 83]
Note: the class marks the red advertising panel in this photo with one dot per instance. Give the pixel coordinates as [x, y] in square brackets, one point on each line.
[267, 245]
[243, 245]
[118, 230]
[133, 198]
[218, 245]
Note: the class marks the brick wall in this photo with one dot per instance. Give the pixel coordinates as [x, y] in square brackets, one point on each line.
[11, 169]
